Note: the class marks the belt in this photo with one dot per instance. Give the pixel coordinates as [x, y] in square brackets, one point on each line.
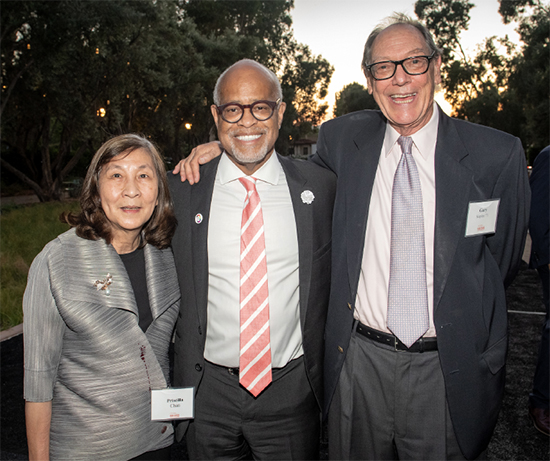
[422, 345]
[233, 370]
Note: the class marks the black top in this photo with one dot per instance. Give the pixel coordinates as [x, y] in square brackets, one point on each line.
[135, 266]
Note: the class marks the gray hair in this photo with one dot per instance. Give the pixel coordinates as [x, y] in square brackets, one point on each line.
[269, 74]
[395, 19]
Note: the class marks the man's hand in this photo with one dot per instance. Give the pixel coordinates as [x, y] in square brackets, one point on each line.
[188, 168]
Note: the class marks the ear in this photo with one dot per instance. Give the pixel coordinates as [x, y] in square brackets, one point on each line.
[214, 110]
[437, 70]
[280, 113]
[370, 83]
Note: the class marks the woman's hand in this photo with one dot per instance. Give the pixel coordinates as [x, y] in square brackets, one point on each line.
[38, 416]
[188, 168]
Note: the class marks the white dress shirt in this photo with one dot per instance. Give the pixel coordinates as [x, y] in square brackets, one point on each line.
[372, 292]
[281, 240]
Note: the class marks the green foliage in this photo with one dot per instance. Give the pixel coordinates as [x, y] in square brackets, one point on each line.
[23, 233]
[503, 86]
[353, 97]
[76, 73]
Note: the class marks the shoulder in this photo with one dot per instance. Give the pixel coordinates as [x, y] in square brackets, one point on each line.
[308, 170]
[541, 161]
[354, 121]
[473, 134]
[52, 253]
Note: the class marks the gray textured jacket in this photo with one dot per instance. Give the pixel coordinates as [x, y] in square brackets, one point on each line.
[85, 350]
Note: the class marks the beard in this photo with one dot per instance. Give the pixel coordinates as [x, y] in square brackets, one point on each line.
[248, 155]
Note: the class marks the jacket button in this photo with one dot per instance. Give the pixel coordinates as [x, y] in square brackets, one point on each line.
[349, 306]
[163, 430]
[340, 349]
[198, 367]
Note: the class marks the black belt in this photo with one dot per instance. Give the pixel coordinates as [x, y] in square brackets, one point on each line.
[422, 345]
[233, 370]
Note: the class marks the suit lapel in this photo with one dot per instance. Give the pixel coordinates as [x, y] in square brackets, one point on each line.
[201, 199]
[453, 183]
[359, 175]
[90, 260]
[304, 229]
[162, 280]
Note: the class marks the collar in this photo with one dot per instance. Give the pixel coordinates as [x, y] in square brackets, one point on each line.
[424, 139]
[269, 171]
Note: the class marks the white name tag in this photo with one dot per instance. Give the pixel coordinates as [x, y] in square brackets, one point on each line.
[482, 218]
[172, 403]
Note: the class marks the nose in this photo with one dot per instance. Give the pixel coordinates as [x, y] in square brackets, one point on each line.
[131, 188]
[247, 118]
[400, 77]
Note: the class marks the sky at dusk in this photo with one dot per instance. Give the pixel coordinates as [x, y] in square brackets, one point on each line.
[338, 29]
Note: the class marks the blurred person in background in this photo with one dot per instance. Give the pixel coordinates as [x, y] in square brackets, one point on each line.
[539, 224]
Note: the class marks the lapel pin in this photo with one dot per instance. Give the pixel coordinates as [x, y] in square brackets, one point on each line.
[198, 218]
[307, 197]
[104, 284]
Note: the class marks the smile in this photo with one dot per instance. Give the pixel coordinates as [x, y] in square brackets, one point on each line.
[403, 98]
[250, 137]
[130, 208]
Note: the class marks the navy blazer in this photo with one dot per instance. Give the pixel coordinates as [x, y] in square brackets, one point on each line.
[472, 163]
[313, 225]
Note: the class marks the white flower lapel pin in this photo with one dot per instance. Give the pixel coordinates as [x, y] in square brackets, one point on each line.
[104, 284]
[307, 197]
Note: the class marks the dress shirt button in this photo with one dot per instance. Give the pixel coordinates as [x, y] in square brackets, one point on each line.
[340, 349]
[198, 367]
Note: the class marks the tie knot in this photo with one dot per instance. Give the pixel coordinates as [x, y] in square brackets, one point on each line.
[406, 143]
[249, 183]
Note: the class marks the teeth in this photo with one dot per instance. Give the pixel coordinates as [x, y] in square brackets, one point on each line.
[403, 96]
[248, 137]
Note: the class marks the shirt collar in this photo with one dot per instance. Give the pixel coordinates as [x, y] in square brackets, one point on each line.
[424, 139]
[268, 172]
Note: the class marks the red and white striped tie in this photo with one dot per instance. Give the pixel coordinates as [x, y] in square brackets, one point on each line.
[255, 349]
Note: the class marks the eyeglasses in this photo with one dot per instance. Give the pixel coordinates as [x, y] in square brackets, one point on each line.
[416, 65]
[260, 110]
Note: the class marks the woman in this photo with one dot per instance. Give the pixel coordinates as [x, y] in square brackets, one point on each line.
[100, 307]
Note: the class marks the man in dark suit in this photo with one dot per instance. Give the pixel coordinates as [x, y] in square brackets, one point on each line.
[390, 395]
[539, 230]
[428, 229]
[250, 334]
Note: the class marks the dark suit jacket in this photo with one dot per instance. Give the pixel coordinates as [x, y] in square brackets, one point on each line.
[472, 163]
[313, 224]
[540, 209]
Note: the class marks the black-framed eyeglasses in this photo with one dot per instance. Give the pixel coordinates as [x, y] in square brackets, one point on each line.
[415, 65]
[260, 110]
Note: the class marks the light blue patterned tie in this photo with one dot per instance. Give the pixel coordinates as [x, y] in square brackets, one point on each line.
[407, 294]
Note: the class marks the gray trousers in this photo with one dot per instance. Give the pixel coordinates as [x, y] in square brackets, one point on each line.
[390, 405]
[283, 422]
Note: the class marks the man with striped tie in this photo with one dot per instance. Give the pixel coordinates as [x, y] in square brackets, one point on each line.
[252, 250]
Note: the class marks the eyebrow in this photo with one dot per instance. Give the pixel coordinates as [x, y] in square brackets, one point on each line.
[110, 165]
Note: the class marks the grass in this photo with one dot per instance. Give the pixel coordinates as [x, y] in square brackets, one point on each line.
[24, 230]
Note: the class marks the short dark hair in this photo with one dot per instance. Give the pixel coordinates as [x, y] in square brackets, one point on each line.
[395, 19]
[92, 223]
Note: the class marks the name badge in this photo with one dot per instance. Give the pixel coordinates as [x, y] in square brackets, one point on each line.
[482, 218]
[172, 403]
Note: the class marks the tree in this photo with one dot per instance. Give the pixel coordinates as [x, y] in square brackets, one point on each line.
[503, 86]
[353, 97]
[77, 73]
